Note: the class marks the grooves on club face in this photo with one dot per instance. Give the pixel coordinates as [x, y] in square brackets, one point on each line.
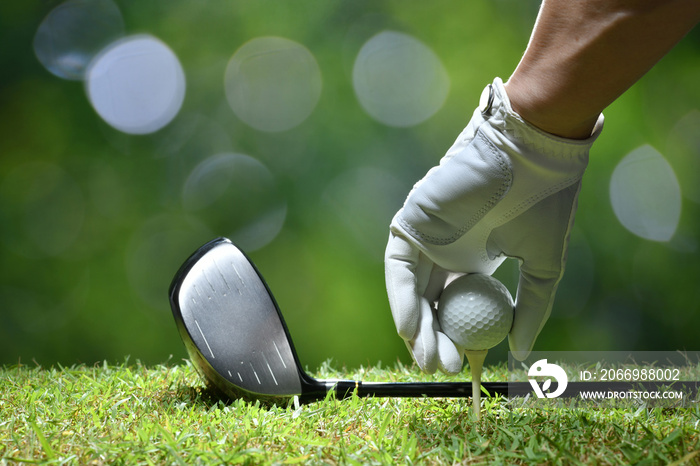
[232, 328]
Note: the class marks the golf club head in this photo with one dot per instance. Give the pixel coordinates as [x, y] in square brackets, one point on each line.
[233, 329]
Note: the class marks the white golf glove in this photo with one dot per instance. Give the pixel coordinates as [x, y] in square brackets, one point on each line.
[504, 189]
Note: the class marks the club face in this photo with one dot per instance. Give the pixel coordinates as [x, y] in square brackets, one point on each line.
[231, 325]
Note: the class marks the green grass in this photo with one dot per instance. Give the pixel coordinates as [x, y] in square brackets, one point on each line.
[134, 414]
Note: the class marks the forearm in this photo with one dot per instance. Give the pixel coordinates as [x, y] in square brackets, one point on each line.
[584, 54]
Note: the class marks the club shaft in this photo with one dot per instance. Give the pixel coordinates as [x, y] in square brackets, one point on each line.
[416, 389]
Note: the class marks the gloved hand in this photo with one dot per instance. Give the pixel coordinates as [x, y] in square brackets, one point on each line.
[504, 189]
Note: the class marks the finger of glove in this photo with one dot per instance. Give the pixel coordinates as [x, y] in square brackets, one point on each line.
[436, 284]
[407, 274]
[424, 345]
[433, 350]
[539, 238]
[532, 309]
[540, 273]
[450, 358]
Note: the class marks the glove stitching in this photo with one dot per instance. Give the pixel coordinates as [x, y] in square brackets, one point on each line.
[495, 197]
[537, 198]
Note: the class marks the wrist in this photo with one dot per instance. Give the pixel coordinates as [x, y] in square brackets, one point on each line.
[543, 113]
[521, 136]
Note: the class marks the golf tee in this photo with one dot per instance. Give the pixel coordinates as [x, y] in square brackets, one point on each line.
[476, 362]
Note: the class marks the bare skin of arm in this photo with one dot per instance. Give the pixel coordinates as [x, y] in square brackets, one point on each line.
[584, 54]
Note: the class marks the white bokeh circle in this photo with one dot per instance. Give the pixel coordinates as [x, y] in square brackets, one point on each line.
[645, 194]
[272, 83]
[398, 80]
[137, 84]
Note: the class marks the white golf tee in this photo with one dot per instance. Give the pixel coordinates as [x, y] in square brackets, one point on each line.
[476, 362]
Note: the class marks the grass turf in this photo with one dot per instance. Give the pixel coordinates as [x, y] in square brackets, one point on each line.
[134, 414]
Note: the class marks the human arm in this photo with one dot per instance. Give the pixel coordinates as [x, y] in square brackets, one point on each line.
[583, 55]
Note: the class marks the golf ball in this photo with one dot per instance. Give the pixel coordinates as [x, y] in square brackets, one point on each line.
[476, 312]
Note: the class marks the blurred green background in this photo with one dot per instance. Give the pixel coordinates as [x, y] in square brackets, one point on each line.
[361, 100]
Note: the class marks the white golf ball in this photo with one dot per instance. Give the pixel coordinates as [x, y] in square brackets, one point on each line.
[476, 312]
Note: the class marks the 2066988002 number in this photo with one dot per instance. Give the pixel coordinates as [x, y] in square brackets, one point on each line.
[639, 375]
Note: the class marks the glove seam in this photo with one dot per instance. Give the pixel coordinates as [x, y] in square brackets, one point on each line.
[499, 194]
[526, 204]
[516, 210]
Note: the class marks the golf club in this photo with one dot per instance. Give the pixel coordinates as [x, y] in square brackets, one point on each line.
[237, 339]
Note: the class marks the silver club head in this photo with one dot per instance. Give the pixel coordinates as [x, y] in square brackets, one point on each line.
[231, 325]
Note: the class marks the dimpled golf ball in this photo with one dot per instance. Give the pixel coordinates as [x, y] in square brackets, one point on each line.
[476, 312]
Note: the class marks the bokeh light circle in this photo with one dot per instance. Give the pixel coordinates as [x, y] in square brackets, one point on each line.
[645, 194]
[272, 83]
[236, 196]
[136, 84]
[73, 33]
[399, 80]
